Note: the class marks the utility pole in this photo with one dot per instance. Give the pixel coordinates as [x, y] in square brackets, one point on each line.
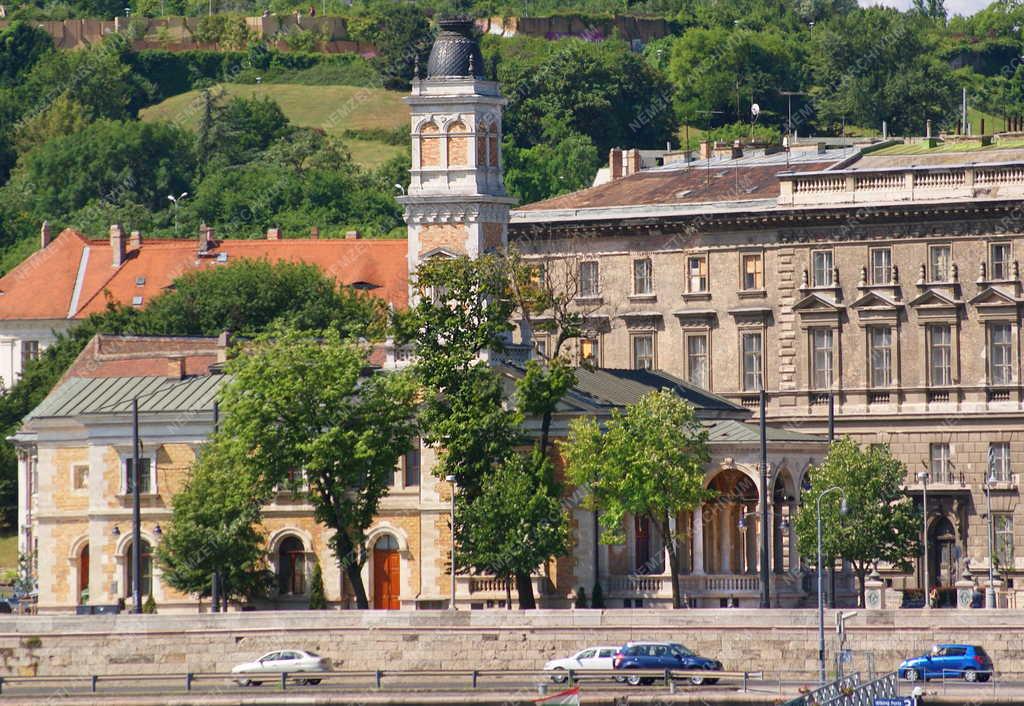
[923, 477]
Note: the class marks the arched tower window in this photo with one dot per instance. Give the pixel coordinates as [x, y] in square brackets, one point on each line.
[430, 145]
[458, 144]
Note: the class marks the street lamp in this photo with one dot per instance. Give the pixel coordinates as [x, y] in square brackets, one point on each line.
[172, 199]
[923, 477]
[451, 479]
[821, 585]
[990, 591]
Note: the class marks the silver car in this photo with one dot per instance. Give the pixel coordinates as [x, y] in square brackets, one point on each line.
[590, 658]
[275, 663]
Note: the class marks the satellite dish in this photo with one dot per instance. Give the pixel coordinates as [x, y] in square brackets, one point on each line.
[755, 110]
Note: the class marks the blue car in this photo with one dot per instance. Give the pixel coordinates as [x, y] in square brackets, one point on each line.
[969, 662]
[662, 655]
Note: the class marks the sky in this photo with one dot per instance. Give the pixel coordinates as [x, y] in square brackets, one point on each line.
[953, 7]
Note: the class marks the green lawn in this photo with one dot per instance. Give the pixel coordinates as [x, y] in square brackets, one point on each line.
[8, 552]
[333, 109]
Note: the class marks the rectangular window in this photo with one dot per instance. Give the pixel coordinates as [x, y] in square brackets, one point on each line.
[999, 461]
[412, 465]
[821, 268]
[1002, 527]
[1000, 349]
[697, 360]
[697, 273]
[590, 351]
[643, 276]
[80, 476]
[29, 352]
[881, 265]
[752, 362]
[999, 261]
[940, 263]
[821, 358]
[145, 476]
[880, 358]
[589, 283]
[540, 345]
[939, 464]
[643, 352]
[753, 271]
[940, 355]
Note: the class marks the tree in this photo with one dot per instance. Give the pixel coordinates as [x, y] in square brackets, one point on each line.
[21, 46]
[401, 33]
[317, 599]
[649, 462]
[295, 402]
[213, 529]
[881, 523]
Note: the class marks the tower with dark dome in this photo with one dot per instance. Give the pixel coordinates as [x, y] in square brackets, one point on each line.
[456, 203]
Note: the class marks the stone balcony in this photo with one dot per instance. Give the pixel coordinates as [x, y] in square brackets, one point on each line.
[704, 590]
[897, 184]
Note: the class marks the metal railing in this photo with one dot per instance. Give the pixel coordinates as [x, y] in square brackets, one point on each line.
[457, 679]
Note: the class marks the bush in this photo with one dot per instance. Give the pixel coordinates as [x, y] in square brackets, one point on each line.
[317, 599]
[149, 606]
[225, 30]
[581, 598]
[597, 597]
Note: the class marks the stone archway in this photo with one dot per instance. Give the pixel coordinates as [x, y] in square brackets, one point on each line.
[728, 548]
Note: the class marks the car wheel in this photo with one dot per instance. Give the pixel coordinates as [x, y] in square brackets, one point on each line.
[312, 682]
[970, 675]
[696, 681]
[255, 683]
[619, 680]
[243, 682]
[634, 680]
[983, 677]
[559, 678]
[711, 681]
[911, 675]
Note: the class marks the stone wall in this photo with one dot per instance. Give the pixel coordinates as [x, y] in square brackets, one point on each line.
[742, 639]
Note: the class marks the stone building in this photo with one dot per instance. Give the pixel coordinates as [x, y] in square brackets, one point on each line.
[883, 275]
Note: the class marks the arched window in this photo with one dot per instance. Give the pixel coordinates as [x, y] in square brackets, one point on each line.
[430, 146]
[291, 567]
[458, 144]
[146, 584]
[386, 543]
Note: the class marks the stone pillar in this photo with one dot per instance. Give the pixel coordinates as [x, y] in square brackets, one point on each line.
[965, 591]
[874, 592]
[698, 540]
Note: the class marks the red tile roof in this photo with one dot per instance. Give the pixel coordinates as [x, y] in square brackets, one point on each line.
[108, 356]
[44, 285]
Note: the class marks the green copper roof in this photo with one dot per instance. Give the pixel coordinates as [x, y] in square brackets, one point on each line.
[113, 395]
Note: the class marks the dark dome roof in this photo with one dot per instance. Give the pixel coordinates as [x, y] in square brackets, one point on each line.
[455, 50]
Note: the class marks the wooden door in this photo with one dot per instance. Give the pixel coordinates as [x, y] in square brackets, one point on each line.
[83, 574]
[386, 579]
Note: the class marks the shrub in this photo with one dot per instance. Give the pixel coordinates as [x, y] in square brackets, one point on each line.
[149, 607]
[581, 598]
[597, 596]
[317, 599]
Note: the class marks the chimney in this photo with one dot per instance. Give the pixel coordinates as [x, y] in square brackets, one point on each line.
[44, 235]
[352, 235]
[631, 162]
[615, 163]
[705, 149]
[314, 233]
[206, 234]
[928, 129]
[273, 233]
[135, 240]
[223, 343]
[117, 244]
[176, 367]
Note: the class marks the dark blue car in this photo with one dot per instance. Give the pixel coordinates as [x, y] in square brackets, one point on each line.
[662, 655]
[970, 662]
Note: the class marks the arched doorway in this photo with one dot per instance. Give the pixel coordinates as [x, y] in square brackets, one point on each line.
[728, 548]
[943, 560]
[146, 570]
[83, 576]
[780, 510]
[387, 577]
[291, 567]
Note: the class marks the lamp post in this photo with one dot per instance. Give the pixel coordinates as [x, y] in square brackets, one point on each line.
[923, 477]
[766, 601]
[990, 590]
[172, 199]
[451, 603]
[821, 584]
[136, 513]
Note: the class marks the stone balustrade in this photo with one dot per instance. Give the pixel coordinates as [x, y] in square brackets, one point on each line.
[855, 186]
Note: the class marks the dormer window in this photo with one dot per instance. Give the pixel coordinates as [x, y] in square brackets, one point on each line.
[140, 281]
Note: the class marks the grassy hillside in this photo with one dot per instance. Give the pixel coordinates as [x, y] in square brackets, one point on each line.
[333, 109]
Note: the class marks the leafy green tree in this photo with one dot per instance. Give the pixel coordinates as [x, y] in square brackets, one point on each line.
[213, 529]
[513, 526]
[21, 46]
[295, 402]
[317, 598]
[65, 116]
[401, 32]
[563, 161]
[881, 523]
[650, 462]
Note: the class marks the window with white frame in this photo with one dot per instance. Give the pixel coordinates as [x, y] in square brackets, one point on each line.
[697, 360]
[940, 354]
[940, 263]
[80, 476]
[145, 475]
[751, 344]
[697, 273]
[821, 358]
[1000, 353]
[881, 265]
[643, 351]
[821, 268]
[880, 355]
[999, 461]
[412, 465]
[999, 260]
[540, 345]
[940, 465]
[29, 352]
[752, 271]
[643, 276]
[589, 283]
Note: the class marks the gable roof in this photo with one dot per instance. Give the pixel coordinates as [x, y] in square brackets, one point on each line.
[620, 387]
[79, 278]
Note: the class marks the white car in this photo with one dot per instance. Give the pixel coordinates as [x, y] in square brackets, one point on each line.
[590, 658]
[274, 663]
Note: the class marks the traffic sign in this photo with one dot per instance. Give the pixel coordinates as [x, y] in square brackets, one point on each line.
[893, 701]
